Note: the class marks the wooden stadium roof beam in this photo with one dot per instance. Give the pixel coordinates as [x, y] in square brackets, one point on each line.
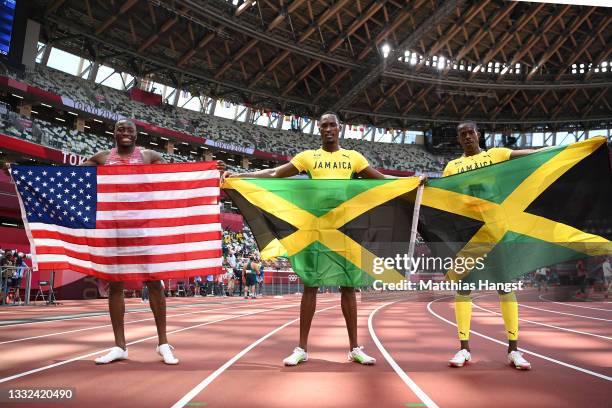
[594, 102]
[283, 14]
[508, 36]
[358, 22]
[503, 103]
[54, 6]
[564, 36]
[429, 23]
[585, 46]
[416, 98]
[201, 44]
[481, 33]
[561, 104]
[394, 89]
[536, 36]
[111, 20]
[235, 57]
[165, 27]
[532, 104]
[453, 31]
[327, 14]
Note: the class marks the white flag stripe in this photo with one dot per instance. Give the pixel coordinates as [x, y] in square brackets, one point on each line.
[158, 177]
[133, 268]
[158, 195]
[126, 232]
[156, 214]
[131, 250]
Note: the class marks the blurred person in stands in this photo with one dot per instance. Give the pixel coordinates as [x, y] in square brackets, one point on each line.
[581, 278]
[607, 275]
[474, 157]
[231, 270]
[260, 279]
[541, 278]
[350, 163]
[250, 270]
[210, 285]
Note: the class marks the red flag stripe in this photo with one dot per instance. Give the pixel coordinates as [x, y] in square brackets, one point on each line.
[155, 168]
[155, 223]
[155, 205]
[182, 274]
[128, 242]
[128, 260]
[161, 186]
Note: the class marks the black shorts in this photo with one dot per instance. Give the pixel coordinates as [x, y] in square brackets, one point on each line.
[251, 279]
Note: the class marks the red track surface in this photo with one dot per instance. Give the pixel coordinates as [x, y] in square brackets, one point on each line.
[231, 353]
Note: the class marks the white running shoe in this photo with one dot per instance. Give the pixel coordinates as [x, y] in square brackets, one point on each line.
[299, 355]
[516, 359]
[358, 355]
[115, 354]
[165, 350]
[460, 359]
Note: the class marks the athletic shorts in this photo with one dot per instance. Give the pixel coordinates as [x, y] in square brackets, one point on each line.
[251, 279]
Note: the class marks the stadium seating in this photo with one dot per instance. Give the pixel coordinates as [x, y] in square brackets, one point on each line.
[381, 155]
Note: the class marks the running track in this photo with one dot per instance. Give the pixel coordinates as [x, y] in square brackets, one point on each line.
[231, 353]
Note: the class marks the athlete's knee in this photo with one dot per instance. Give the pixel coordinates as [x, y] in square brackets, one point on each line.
[116, 288]
[155, 287]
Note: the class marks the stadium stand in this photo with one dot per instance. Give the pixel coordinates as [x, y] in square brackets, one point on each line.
[382, 155]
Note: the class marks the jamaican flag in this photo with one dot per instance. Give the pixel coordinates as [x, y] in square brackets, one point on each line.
[541, 209]
[331, 230]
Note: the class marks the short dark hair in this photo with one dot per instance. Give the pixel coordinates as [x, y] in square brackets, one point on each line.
[130, 121]
[334, 114]
[467, 123]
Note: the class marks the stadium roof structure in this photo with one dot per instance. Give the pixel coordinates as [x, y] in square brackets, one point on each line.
[391, 63]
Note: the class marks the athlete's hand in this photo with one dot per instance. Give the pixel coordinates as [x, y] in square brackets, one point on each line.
[423, 180]
[220, 165]
[6, 169]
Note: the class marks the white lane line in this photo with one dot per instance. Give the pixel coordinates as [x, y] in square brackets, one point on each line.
[573, 305]
[567, 314]
[202, 385]
[105, 313]
[552, 360]
[548, 325]
[402, 374]
[128, 322]
[47, 367]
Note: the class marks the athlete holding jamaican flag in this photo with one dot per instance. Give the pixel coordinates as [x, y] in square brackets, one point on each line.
[474, 158]
[328, 162]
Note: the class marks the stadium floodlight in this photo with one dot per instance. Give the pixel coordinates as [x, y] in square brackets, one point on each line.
[386, 49]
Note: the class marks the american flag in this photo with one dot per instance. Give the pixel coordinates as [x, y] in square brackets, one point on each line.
[119, 223]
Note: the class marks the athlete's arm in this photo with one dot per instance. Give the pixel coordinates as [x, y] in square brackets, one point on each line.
[285, 170]
[371, 173]
[154, 157]
[519, 153]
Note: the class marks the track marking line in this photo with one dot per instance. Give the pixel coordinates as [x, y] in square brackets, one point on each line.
[567, 314]
[128, 322]
[105, 312]
[543, 357]
[573, 305]
[398, 370]
[36, 370]
[202, 385]
[546, 325]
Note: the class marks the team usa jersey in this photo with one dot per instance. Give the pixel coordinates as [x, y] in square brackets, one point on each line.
[477, 161]
[113, 157]
[320, 164]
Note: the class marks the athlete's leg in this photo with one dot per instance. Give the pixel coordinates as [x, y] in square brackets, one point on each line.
[157, 301]
[116, 307]
[348, 302]
[308, 306]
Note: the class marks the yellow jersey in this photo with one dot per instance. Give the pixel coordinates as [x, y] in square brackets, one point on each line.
[320, 164]
[482, 159]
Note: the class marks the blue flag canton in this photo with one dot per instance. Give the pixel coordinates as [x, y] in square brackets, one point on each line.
[57, 195]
